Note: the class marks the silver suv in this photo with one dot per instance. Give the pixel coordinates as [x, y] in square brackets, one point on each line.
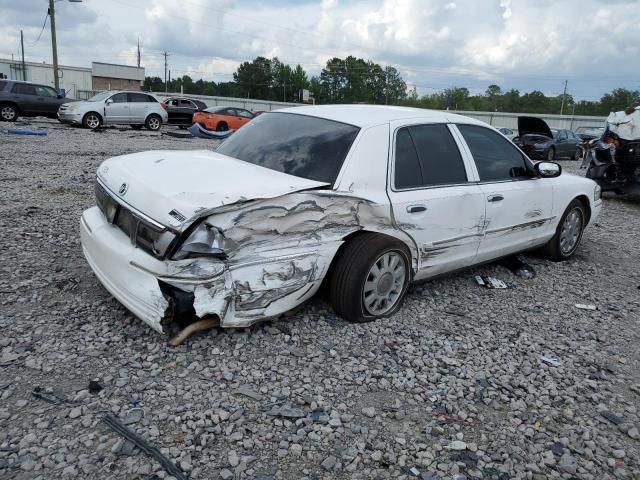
[137, 109]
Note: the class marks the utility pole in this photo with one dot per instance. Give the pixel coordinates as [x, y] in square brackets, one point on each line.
[564, 94]
[284, 90]
[24, 68]
[165, 70]
[52, 16]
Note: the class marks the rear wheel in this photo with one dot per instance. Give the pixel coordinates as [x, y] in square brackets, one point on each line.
[8, 112]
[91, 120]
[222, 127]
[370, 278]
[568, 234]
[153, 123]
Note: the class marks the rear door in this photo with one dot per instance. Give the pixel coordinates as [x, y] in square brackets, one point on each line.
[518, 203]
[140, 105]
[116, 109]
[24, 95]
[434, 198]
[563, 147]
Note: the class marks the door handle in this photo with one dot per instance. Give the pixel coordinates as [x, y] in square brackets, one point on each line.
[495, 198]
[416, 208]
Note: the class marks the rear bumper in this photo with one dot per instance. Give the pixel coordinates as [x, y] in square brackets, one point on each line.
[238, 293]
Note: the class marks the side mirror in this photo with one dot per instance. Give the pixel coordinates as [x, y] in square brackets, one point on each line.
[109, 101]
[548, 169]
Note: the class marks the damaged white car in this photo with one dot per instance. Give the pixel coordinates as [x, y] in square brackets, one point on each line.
[364, 198]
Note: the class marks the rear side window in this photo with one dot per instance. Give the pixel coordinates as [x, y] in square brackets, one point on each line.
[427, 155]
[23, 89]
[140, 98]
[496, 158]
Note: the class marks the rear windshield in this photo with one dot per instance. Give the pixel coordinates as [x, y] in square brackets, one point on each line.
[300, 145]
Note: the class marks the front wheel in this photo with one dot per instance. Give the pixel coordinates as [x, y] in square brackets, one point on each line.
[153, 123]
[222, 127]
[370, 278]
[577, 155]
[551, 154]
[568, 234]
[91, 120]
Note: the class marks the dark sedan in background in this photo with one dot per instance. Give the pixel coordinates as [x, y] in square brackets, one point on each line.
[181, 110]
[540, 142]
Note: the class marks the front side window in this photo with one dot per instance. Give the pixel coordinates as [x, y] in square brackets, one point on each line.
[426, 156]
[300, 145]
[496, 158]
[119, 98]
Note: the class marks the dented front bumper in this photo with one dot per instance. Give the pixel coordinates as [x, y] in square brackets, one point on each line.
[239, 291]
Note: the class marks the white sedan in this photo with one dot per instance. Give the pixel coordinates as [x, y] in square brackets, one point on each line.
[364, 198]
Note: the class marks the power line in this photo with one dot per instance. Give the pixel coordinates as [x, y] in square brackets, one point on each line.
[41, 30]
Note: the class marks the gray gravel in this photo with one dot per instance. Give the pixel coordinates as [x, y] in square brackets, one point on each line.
[452, 387]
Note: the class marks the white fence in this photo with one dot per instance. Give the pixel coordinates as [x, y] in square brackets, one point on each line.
[246, 103]
[510, 120]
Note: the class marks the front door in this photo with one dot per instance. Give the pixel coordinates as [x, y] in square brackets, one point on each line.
[518, 204]
[116, 109]
[432, 198]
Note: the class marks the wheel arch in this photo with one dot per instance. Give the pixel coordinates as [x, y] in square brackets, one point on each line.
[401, 236]
[10, 103]
[93, 111]
[587, 207]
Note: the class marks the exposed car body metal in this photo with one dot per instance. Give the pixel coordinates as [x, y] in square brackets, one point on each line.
[280, 233]
[614, 159]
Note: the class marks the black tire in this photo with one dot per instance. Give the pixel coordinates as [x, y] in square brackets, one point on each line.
[8, 112]
[222, 127]
[182, 127]
[352, 269]
[554, 249]
[551, 154]
[136, 127]
[153, 122]
[577, 155]
[91, 120]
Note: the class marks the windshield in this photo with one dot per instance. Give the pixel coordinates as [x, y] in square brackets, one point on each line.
[300, 145]
[100, 96]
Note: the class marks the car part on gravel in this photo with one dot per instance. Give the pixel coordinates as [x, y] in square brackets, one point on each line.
[15, 131]
[197, 326]
[118, 427]
[199, 131]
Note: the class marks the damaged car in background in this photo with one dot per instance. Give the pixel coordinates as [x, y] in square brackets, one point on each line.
[614, 159]
[538, 141]
[364, 199]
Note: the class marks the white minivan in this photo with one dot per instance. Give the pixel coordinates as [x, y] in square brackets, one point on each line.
[133, 108]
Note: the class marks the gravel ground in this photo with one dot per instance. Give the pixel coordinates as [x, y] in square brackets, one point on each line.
[463, 382]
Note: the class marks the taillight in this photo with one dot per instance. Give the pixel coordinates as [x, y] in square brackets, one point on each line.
[163, 105]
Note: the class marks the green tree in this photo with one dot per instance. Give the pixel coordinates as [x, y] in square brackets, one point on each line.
[255, 78]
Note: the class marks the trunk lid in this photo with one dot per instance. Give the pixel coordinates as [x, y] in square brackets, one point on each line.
[172, 187]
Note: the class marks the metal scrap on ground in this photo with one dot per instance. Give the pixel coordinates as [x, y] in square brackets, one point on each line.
[143, 445]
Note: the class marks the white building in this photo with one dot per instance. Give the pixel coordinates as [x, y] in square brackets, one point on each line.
[78, 82]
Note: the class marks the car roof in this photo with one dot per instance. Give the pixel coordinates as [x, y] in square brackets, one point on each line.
[368, 115]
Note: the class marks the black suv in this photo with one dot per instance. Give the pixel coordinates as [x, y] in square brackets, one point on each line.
[28, 100]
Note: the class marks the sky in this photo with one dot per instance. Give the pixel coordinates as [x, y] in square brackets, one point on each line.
[435, 44]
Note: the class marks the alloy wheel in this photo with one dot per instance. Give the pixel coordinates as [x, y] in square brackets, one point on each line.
[92, 121]
[7, 113]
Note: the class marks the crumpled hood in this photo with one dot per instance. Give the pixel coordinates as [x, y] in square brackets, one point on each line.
[172, 187]
[533, 125]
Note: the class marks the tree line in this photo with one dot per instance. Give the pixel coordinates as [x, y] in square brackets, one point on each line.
[356, 80]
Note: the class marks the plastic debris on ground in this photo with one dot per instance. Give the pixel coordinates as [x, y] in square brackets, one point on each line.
[490, 282]
[198, 131]
[18, 131]
[519, 267]
[551, 361]
[584, 306]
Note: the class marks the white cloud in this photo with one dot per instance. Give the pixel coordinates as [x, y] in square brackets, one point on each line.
[526, 44]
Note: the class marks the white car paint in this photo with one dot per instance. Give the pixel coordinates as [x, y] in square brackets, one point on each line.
[113, 113]
[280, 233]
